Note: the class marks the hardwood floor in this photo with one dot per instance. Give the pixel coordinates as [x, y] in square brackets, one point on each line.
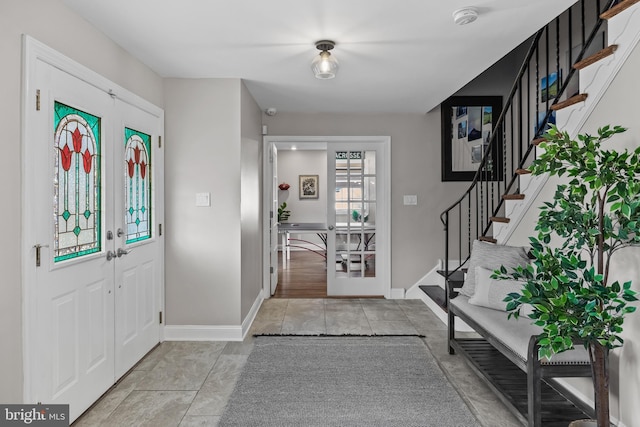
[305, 277]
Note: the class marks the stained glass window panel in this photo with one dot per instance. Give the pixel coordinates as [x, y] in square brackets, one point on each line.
[137, 166]
[77, 180]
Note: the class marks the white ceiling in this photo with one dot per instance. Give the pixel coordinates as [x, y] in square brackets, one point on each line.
[395, 55]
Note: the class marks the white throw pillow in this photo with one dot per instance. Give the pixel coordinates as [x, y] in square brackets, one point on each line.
[491, 257]
[490, 292]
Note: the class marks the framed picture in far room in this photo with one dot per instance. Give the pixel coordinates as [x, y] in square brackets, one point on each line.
[467, 130]
[308, 186]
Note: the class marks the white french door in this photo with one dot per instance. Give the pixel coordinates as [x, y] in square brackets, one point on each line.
[273, 220]
[93, 197]
[357, 219]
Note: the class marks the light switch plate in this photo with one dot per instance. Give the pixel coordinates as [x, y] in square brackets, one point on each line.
[411, 199]
[203, 199]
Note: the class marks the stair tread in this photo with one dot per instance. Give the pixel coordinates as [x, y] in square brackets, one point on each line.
[436, 293]
[502, 219]
[523, 171]
[620, 7]
[607, 51]
[513, 197]
[569, 102]
[537, 141]
[487, 239]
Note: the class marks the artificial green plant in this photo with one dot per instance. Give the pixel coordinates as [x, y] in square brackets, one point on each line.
[283, 212]
[593, 216]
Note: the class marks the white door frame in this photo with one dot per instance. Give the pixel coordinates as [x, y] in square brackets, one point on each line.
[34, 51]
[384, 262]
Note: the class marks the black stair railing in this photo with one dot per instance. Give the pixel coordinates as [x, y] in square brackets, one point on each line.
[528, 111]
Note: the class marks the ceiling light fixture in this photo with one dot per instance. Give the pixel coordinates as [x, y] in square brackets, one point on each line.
[324, 65]
[465, 16]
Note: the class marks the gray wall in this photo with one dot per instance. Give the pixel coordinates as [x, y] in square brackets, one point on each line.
[250, 201]
[213, 254]
[291, 164]
[625, 362]
[203, 152]
[52, 23]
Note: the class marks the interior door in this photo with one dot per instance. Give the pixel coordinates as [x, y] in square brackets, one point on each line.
[139, 249]
[357, 235]
[273, 235]
[72, 186]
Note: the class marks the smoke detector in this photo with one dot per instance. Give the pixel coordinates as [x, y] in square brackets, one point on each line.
[465, 16]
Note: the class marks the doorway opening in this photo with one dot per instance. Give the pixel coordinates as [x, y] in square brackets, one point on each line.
[335, 241]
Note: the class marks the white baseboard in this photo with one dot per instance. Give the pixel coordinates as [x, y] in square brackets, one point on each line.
[213, 332]
[397, 293]
[251, 316]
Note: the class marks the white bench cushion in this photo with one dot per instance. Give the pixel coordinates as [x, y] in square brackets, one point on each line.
[515, 333]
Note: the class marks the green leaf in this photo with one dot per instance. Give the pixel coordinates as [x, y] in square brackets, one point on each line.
[541, 308]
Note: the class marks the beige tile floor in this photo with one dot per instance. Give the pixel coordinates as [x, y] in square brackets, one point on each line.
[188, 383]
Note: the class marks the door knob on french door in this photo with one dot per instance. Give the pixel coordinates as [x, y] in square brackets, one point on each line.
[122, 252]
[110, 255]
[330, 227]
[120, 232]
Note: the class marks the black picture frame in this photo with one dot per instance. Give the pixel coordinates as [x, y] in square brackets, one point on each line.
[461, 118]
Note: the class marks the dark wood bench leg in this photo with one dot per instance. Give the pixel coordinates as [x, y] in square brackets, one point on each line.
[534, 385]
[452, 331]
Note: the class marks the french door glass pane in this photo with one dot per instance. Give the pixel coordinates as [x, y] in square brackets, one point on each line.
[77, 183]
[355, 214]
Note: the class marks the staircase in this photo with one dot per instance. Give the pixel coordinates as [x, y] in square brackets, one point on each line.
[602, 37]
[596, 40]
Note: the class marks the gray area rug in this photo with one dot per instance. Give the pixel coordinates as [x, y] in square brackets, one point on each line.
[344, 381]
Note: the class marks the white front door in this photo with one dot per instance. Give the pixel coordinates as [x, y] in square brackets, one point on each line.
[357, 219]
[90, 314]
[139, 251]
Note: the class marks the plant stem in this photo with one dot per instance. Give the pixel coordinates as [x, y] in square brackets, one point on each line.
[601, 206]
[600, 371]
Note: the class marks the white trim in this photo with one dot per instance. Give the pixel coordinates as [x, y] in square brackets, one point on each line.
[42, 52]
[397, 293]
[300, 140]
[202, 333]
[251, 316]
[214, 332]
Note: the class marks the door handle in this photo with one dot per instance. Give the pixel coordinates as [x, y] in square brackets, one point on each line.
[331, 227]
[122, 252]
[119, 233]
[110, 255]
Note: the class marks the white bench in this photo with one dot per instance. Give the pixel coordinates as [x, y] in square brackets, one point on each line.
[527, 385]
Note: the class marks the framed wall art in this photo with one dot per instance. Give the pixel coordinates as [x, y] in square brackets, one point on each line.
[308, 186]
[467, 127]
